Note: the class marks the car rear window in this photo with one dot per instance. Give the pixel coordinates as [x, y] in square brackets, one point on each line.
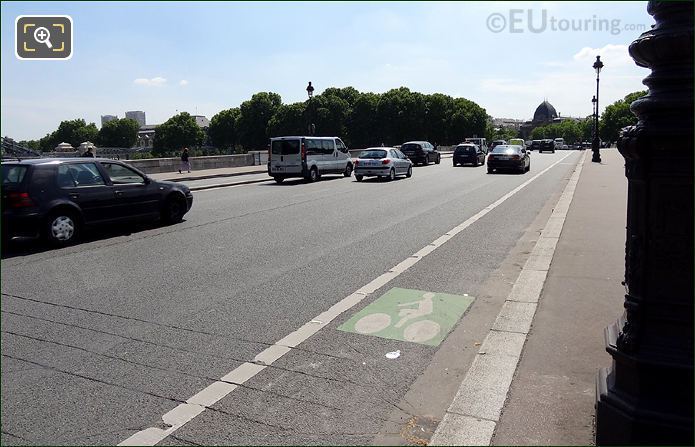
[504, 149]
[373, 154]
[12, 175]
[285, 147]
[410, 147]
[464, 149]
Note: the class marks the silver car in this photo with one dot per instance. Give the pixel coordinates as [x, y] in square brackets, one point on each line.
[382, 162]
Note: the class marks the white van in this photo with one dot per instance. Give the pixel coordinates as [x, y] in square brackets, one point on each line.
[559, 143]
[480, 142]
[308, 157]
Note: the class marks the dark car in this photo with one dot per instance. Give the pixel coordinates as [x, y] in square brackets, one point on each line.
[535, 145]
[422, 152]
[57, 197]
[505, 157]
[468, 153]
[547, 145]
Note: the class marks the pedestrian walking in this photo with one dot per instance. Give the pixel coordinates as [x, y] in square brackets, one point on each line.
[185, 164]
[88, 153]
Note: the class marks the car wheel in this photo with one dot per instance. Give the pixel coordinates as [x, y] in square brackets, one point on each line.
[62, 228]
[358, 177]
[439, 159]
[348, 170]
[174, 209]
[553, 152]
[392, 175]
[489, 171]
[528, 168]
[313, 175]
[410, 172]
[279, 179]
[427, 159]
[455, 164]
[482, 163]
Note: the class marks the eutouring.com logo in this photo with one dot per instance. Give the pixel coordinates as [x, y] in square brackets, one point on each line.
[531, 21]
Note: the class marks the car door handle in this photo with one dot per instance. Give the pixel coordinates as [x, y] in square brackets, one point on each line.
[74, 195]
[118, 193]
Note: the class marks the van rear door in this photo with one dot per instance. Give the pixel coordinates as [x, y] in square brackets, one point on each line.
[285, 156]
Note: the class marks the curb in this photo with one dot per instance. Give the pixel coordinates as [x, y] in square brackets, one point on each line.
[222, 185]
[205, 177]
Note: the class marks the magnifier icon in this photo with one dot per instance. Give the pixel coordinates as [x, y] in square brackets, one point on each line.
[42, 35]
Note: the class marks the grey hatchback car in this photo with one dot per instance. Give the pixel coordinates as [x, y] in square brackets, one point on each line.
[383, 163]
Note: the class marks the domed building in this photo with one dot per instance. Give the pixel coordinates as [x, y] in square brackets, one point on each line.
[545, 114]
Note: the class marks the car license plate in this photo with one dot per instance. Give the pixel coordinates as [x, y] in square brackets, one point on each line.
[371, 163]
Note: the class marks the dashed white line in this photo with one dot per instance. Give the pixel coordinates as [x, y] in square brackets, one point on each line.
[194, 406]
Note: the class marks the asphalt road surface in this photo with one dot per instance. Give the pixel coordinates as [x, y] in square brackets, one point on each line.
[101, 339]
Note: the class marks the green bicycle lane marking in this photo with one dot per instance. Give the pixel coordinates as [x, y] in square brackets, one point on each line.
[410, 315]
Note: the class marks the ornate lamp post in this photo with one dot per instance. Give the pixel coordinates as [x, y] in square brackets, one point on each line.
[310, 92]
[646, 395]
[593, 120]
[596, 156]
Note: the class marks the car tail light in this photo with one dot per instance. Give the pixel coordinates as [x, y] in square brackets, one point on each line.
[19, 199]
[303, 151]
[357, 162]
[385, 161]
[516, 157]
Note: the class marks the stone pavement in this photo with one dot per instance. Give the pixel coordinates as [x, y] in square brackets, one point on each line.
[551, 400]
[210, 173]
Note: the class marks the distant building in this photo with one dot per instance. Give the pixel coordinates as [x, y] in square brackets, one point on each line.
[137, 115]
[146, 135]
[201, 121]
[507, 122]
[106, 118]
[545, 114]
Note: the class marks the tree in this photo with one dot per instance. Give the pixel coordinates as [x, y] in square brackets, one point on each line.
[74, 132]
[363, 130]
[177, 132]
[119, 133]
[254, 117]
[223, 129]
[289, 119]
[618, 115]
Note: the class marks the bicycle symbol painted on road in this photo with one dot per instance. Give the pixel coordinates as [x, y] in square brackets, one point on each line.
[410, 315]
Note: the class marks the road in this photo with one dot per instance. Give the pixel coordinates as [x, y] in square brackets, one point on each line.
[101, 339]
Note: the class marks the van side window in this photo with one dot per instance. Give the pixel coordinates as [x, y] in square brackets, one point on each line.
[328, 147]
[341, 146]
[313, 147]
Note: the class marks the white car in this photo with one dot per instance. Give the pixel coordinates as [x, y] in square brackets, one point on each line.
[383, 163]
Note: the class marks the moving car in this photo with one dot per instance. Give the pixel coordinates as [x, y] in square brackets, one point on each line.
[422, 152]
[57, 197]
[559, 143]
[535, 145]
[506, 157]
[468, 153]
[547, 145]
[383, 163]
[307, 157]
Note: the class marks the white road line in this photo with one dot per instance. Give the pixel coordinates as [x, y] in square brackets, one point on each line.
[194, 406]
[475, 411]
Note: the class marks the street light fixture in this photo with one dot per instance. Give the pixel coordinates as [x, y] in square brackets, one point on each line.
[596, 156]
[310, 92]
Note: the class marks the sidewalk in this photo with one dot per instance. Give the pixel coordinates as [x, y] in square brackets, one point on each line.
[551, 400]
[209, 173]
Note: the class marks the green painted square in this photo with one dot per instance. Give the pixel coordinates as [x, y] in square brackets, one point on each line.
[410, 315]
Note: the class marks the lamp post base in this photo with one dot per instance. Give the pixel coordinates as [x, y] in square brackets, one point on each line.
[596, 156]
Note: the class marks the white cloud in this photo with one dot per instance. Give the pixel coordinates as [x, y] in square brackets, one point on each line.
[153, 82]
[615, 55]
[183, 82]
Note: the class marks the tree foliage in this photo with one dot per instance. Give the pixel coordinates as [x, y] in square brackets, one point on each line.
[118, 133]
[177, 132]
[618, 115]
[223, 129]
[254, 116]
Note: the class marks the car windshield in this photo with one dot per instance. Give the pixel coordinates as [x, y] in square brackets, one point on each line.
[13, 175]
[373, 154]
[502, 149]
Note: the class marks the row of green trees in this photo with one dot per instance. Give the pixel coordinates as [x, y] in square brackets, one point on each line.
[116, 133]
[360, 119]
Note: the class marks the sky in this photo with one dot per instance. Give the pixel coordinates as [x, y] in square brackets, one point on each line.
[204, 57]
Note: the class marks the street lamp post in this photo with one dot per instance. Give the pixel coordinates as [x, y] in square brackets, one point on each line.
[645, 397]
[593, 120]
[310, 92]
[596, 156]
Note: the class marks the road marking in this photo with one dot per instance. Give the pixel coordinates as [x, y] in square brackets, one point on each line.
[409, 315]
[246, 371]
[473, 415]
